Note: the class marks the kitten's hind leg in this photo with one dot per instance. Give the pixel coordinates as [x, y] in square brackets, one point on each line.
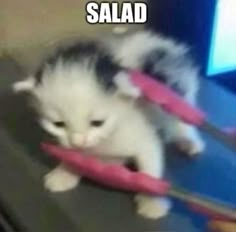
[187, 139]
[185, 136]
[151, 162]
[60, 179]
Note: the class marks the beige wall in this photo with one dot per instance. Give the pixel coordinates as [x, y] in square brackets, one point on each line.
[29, 28]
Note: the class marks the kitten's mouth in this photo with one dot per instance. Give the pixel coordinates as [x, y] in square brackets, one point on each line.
[80, 147]
[51, 139]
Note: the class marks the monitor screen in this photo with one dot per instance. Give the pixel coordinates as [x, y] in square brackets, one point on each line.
[222, 54]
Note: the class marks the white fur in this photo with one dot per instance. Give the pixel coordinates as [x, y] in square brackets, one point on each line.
[71, 95]
[24, 85]
[152, 207]
[122, 81]
[125, 134]
[60, 180]
[130, 50]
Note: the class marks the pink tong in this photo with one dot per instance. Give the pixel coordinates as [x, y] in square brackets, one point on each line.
[117, 176]
[175, 105]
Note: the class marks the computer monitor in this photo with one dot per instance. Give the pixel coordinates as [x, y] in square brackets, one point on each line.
[222, 52]
[208, 26]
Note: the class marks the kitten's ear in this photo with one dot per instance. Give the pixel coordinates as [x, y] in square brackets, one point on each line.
[26, 85]
[125, 86]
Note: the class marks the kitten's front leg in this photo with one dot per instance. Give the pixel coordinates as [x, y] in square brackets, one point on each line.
[60, 179]
[151, 162]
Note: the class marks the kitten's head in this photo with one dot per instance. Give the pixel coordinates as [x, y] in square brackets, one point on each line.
[81, 102]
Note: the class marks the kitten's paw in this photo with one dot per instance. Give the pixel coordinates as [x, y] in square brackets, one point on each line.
[152, 207]
[190, 146]
[60, 180]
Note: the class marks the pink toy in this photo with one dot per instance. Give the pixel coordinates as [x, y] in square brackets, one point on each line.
[165, 97]
[121, 177]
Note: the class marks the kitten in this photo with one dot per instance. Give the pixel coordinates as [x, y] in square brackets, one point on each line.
[85, 99]
[171, 63]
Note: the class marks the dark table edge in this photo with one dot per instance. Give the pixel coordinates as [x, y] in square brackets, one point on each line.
[25, 202]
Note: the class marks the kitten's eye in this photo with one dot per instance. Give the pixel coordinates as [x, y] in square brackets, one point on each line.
[59, 124]
[97, 123]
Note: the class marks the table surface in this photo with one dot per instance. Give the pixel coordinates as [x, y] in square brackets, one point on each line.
[93, 208]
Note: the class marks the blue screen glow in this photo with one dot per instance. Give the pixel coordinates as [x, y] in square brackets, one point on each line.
[222, 56]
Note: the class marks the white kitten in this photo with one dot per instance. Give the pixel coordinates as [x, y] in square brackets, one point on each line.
[84, 99]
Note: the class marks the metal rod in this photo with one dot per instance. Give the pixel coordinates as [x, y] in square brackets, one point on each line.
[216, 207]
[218, 134]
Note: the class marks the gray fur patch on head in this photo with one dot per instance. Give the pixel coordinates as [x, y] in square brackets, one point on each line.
[88, 54]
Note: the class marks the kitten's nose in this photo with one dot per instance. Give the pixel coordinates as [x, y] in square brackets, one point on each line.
[78, 140]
